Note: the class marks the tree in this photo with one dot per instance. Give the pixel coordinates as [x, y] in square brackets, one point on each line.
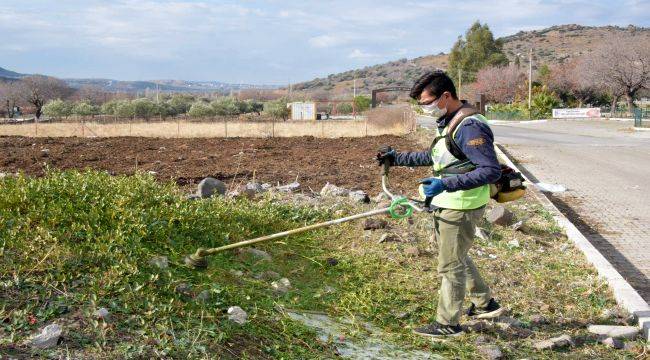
[124, 109]
[143, 108]
[543, 73]
[472, 53]
[38, 89]
[181, 103]
[201, 109]
[277, 108]
[621, 65]
[57, 108]
[499, 84]
[10, 97]
[226, 106]
[83, 108]
[362, 103]
[571, 82]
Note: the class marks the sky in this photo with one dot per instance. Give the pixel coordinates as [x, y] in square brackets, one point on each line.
[262, 42]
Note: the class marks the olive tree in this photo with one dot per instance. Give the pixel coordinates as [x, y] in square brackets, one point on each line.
[57, 108]
[38, 90]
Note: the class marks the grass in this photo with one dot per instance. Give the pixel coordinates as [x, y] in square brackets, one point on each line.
[72, 242]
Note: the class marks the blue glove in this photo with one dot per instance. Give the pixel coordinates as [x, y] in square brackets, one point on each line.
[432, 186]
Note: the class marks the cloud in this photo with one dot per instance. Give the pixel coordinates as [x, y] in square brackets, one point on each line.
[360, 54]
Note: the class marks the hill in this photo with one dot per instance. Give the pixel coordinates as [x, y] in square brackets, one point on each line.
[552, 45]
[4, 73]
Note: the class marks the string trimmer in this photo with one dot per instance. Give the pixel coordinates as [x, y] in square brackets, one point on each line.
[400, 207]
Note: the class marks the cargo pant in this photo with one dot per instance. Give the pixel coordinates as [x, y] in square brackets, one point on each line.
[454, 231]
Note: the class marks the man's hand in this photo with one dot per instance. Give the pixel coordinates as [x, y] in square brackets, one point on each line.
[386, 154]
[432, 186]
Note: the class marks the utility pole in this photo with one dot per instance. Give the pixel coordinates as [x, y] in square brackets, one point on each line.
[157, 93]
[354, 87]
[530, 77]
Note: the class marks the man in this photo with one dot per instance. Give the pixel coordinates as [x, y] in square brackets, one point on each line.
[464, 164]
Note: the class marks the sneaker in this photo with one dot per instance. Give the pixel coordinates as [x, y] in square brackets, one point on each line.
[438, 330]
[491, 311]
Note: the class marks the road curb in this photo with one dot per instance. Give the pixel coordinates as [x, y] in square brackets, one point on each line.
[624, 293]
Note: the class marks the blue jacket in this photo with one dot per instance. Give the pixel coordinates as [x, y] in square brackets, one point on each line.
[476, 140]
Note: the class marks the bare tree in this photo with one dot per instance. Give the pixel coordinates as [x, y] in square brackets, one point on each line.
[499, 84]
[39, 89]
[91, 94]
[571, 79]
[622, 65]
[10, 96]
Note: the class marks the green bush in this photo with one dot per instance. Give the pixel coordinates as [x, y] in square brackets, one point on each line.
[57, 108]
[543, 103]
[201, 109]
[362, 103]
[125, 109]
[143, 108]
[181, 103]
[109, 107]
[85, 109]
[277, 108]
[225, 106]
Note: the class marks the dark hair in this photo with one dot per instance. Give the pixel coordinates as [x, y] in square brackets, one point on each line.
[437, 82]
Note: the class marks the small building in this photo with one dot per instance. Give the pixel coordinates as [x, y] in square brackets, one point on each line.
[302, 110]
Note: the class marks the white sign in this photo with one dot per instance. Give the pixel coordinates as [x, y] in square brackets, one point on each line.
[576, 113]
[303, 110]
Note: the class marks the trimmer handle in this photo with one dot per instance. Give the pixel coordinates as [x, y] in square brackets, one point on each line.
[385, 165]
[427, 204]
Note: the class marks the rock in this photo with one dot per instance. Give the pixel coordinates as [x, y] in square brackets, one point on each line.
[48, 338]
[102, 313]
[481, 339]
[260, 254]
[183, 288]
[210, 186]
[509, 321]
[538, 319]
[381, 197]
[204, 296]
[499, 215]
[412, 251]
[554, 343]
[332, 262]
[159, 261]
[328, 290]
[613, 343]
[514, 243]
[289, 188]
[491, 352]
[281, 286]
[386, 237]
[374, 224]
[151, 172]
[237, 273]
[237, 315]
[477, 325]
[266, 186]
[255, 187]
[359, 196]
[627, 332]
[564, 247]
[481, 234]
[331, 190]
[193, 197]
[617, 313]
[267, 275]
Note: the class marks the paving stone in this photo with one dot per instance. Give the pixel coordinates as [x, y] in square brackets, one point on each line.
[554, 343]
[613, 343]
[628, 332]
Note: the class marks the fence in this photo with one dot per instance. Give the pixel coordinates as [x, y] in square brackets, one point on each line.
[190, 128]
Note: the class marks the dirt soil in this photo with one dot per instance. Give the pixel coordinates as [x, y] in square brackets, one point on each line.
[347, 162]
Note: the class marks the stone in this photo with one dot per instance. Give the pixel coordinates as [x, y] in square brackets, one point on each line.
[554, 343]
[48, 338]
[613, 343]
[381, 197]
[481, 339]
[613, 331]
[514, 243]
[564, 247]
[266, 186]
[193, 197]
[386, 237]
[260, 254]
[412, 251]
[159, 261]
[102, 313]
[183, 288]
[237, 273]
[538, 319]
[210, 186]
[267, 275]
[499, 215]
[289, 188]
[481, 234]
[374, 224]
[281, 286]
[509, 321]
[477, 326]
[255, 187]
[204, 296]
[491, 352]
[332, 262]
[331, 190]
[328, 289]
[237, 315]
[359, 196]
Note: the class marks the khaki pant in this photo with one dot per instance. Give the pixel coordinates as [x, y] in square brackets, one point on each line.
[454, 230]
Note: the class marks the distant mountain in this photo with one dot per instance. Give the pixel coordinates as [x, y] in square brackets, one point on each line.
[550, 46]
[151, 85]
[4, 73]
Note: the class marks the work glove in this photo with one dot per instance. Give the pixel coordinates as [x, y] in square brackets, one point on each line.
[386, 154]
[432, 186]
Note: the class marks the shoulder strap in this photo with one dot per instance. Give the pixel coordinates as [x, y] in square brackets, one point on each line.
[462, 113]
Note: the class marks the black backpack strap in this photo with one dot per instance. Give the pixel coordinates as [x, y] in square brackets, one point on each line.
[452, 146]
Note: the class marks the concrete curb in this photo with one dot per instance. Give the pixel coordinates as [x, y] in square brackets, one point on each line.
[624, 294]
[641, 129]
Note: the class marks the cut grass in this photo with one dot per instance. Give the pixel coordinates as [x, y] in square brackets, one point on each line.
[75, 241]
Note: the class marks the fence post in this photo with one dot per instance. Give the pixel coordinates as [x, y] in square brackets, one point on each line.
[273, 128]
[178, 128]
[225, 125]
[366, 124]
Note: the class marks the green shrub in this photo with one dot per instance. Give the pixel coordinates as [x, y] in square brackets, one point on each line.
[362, 103]
[57, 108]
[201, 109]
[143, 108]
[344, 108]
[125, 109]
[225, 106]
[85, 109]
[277, 108]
